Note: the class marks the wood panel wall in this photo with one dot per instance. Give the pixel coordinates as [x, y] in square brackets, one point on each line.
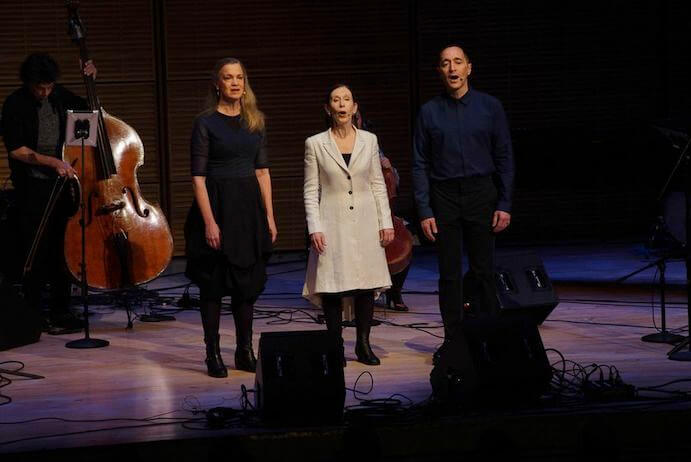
[293, 52]
[120, 39]
[580, 83]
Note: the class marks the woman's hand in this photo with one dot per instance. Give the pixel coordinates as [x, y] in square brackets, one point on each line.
[386, 236]
[318, 242]
[213, 236]
[272, 229]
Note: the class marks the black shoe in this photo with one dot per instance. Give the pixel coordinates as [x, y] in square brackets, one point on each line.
[64, 321]
[436, 357]
[245, 359]
[364, 309]
[214, 362]
[54, 330]
[395, 302]
[365, 355]
[216, 368]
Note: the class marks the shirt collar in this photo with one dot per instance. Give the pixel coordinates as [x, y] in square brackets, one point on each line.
[52, 98]
[465, 99]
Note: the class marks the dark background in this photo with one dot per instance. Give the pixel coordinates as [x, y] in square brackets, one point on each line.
[582, 83]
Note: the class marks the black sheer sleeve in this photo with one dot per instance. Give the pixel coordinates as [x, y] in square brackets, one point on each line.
[262, 159]
[199, 148]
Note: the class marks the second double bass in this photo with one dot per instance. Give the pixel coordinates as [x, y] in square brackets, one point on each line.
[400, 251]
[128, 240]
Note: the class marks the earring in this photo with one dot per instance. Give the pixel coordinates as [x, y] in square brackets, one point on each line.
[218, 93]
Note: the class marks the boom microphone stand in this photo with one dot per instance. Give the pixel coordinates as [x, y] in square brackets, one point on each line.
[682, 352]
[82, 122]
[664, 336]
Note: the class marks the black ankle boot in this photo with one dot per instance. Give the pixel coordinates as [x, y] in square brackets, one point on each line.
[363, 350]
[214, 362]
[394, 301]
[245, 359]
[364, 310]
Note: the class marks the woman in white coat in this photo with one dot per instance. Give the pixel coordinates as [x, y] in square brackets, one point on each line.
[348, 219]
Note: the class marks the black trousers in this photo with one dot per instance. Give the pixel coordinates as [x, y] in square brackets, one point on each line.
[463, 210]
[49, 263]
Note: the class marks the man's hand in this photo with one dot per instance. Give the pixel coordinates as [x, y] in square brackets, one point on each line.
[90, 69]
[318, 242]
[500, 221]
[386, 236]
[429, 228]
[63, 168]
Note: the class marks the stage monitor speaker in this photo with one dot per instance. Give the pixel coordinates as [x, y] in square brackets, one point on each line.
[492, 363]
[299, 379]
[19, 325]
[523, 287]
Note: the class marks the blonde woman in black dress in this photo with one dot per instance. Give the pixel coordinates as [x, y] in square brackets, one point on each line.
[230, 228]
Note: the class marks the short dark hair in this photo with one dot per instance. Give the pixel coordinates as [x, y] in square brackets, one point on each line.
[39, 68]
[327, 99]
[451, 45]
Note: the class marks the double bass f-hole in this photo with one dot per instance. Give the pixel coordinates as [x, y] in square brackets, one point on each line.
[135, 203]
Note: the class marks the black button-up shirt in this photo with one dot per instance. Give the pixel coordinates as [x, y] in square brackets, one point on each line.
[20, 125]
[462, 138]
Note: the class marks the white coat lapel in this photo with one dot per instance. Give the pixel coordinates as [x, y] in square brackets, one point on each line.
[331, 148]
[358, 147]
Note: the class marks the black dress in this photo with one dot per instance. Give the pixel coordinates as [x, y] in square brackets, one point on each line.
[227, 154]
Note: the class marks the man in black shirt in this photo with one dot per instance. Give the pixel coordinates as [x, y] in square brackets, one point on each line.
[463, 179]
[33, 127]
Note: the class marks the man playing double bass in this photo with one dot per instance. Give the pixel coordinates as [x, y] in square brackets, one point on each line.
[33, 127]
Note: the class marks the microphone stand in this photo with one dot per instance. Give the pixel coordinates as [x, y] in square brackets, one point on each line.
[682, 352]
[664, 336]
[81, 131]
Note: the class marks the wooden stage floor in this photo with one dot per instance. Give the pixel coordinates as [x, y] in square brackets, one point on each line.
[152, 377]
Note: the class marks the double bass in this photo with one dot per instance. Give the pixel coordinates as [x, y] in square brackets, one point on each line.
[128, 241]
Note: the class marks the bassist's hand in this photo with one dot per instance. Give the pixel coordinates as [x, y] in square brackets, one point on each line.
[63, 168]
[89, 68]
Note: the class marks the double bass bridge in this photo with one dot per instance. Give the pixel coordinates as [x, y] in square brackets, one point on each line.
[107, 209]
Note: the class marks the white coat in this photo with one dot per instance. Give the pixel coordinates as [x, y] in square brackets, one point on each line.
[348, 203]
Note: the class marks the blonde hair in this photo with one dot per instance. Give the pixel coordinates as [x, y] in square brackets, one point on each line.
[249, 111]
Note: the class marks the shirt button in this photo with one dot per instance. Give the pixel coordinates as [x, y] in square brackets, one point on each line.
[351, 207]
[350, 192]
[349, 177]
